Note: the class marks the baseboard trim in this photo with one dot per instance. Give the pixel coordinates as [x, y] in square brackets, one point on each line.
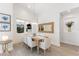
[69, 43]
[17, 43]
[55, 45]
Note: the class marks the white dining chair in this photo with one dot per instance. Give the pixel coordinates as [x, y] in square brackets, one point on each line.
[30, 43]
[25, 40]
[45, 44]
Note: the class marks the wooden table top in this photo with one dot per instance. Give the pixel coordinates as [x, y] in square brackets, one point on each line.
[36, 37]
[5, 42]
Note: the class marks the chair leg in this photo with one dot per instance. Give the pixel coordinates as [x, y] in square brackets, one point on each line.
[27, 47]
[44, 52]
[31, 49]
[49, 48]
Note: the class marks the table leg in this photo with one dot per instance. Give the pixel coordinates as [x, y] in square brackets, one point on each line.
[3, 48]
[37, 49]
[6, 49]
[7, 52]
[37, 46]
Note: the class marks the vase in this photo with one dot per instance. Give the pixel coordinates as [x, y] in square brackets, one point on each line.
[69, 29]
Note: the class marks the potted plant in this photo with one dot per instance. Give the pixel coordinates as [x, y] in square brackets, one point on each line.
[69, 25]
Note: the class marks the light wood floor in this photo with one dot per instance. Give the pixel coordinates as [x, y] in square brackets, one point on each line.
[65, 50]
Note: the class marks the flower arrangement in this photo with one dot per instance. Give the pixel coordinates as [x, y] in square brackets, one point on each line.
[5, 18]
[69, 25]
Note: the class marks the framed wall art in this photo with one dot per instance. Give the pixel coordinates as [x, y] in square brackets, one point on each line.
[20, 28]
[5, 27]
[29, 28]
[5, 22]
[5, 18]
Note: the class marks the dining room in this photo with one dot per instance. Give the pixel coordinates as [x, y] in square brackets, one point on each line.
[32, 29]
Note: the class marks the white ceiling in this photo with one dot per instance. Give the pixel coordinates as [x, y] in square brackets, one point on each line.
[48, 8]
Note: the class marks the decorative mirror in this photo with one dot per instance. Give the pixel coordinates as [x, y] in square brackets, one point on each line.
[46, 27]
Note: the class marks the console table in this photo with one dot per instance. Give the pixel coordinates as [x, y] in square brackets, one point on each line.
[5, 45]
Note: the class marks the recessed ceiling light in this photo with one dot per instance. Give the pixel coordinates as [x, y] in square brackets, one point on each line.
[28, 6]
[69, 10]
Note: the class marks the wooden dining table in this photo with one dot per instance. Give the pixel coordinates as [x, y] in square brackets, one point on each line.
[37, 39]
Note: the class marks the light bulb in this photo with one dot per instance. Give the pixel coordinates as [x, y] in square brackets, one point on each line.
[4, 38]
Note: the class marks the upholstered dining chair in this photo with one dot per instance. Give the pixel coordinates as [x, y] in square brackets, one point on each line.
[30, 43]
[25, 40]
[45, 44]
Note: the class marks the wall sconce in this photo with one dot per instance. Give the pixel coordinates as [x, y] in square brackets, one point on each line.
[4, 38]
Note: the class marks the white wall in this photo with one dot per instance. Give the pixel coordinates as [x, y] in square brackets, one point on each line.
[7, 8]
[73, 36]
[46, 12]
[24, 14]
[19, 37]
[51, 13]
